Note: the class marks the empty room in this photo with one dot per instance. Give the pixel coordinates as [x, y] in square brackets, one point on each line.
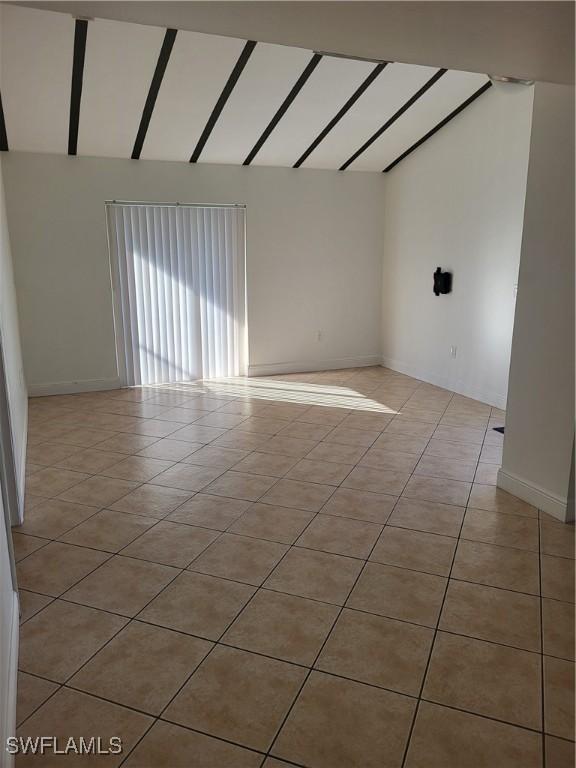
[287, 384]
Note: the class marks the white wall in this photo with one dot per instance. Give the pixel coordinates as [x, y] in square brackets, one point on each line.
[314, 242]
[457, 202]
[538, 445]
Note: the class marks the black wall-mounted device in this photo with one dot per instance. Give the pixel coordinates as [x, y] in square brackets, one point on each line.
[442, 282]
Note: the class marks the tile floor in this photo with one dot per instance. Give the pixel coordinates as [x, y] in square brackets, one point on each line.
[312, 570]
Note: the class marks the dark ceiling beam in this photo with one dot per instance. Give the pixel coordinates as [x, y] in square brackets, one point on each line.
[420, 92]
[80, 33]
[283, 108]
[339, 115]
[440, 125]
[223, 98]
[161, 64]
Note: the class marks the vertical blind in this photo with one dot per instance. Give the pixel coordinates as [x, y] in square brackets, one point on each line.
[179, 283]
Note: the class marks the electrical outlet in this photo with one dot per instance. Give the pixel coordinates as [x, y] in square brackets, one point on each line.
[453, 351]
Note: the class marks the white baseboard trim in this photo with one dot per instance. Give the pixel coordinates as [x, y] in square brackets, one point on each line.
[8, 690]
[533, 494]
[72, 387]
[331, 364]
[484, 396]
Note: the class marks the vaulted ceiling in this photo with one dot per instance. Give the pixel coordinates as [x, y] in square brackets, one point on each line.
[114, 89]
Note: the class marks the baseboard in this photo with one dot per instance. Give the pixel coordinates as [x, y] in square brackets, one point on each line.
[8, 689]
[22, 479]
[331, 364]
[484, 396]
[72, 387]
[533, 494]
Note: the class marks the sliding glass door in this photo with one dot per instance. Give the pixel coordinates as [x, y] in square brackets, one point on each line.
[178, 275]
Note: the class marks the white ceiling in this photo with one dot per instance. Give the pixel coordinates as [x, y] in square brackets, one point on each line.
[120, 61]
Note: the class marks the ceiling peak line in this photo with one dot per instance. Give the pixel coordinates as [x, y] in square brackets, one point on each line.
[340, 114]
[283, 108]
[420, 92]
[439, 125]
[80, 34]
[223, 98]
[161, 64]
[3, 134]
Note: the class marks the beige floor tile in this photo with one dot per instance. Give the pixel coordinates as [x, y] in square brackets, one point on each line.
[169, 746]
[155, 501]
[557, 539]
[558, 628]
[159, 428]
[48, 454]
[557, 578]
[108, 530]
[98, 491]
[58, 640]
[360, 505]
[390, 441]
[341, 454]
[263, 425]
[316, 575]
[380, 458]
[240, 558]
[266, 521]
[427, 516]
[460, 434]
[90, 460]
[137, 468]
[436, 489]
[241, 485]
[188, 477]
[53, 517]
[246, 441]
[559, 697]
[403, 426]
[198, 604]
[122, 585]
[497, 615]
[486, 474]
[451, 469]
[84, 437]
[559, 753]
[31, 603]
[447, 449]
[305, 430]
[367, 420]
[216, 512]
[51, 481]
[313, 471]
[485, 679]
[216, 456]
[491, 454]
[321, 414]
[418, 551]
[497, 566]
[127, 443]
[494, 499]
[296, 447]
[376, 650]
[238, 696]
[273, 465]
[340, 535]
[221, 420]
[496, 528]
[338, 723]
[170, 450]
[32, 692]
[24, 545]
[283, 626]
[298, 495]
[71, 713]
[123, 669]
[364, 478]
[442, 737]
[358, 437]
[399, 594]
[56, 567]
[171, 544]
[195, 434]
